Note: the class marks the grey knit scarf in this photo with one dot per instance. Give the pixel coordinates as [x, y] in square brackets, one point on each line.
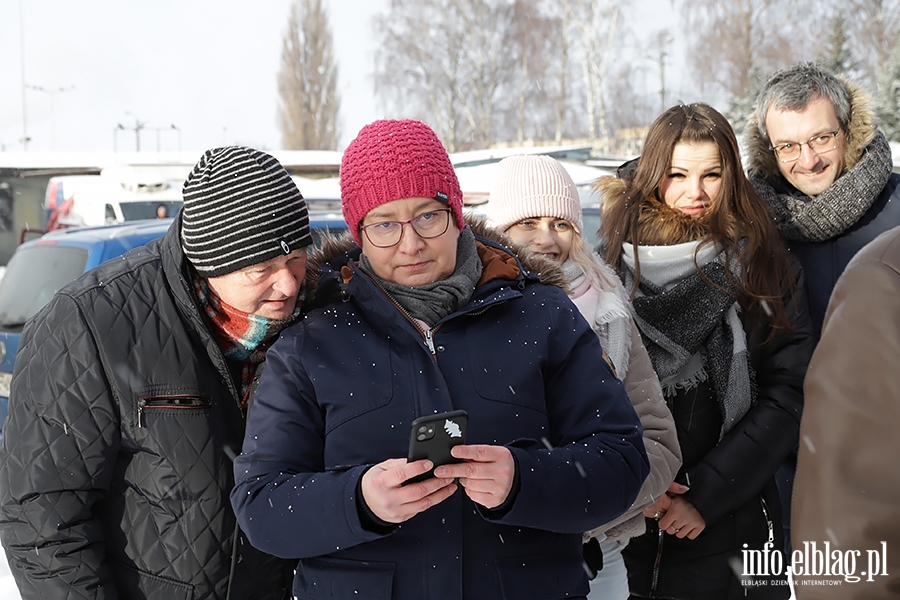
[840, 206]
[434, 301]
[692, 330]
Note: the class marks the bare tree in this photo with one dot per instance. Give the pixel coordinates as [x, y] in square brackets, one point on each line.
[873, 29]
[419, 64]
[444, 61]
[307, 82]
[532, 42]
[596, 22]
[488, 59]
[737, 38]
[563, 13]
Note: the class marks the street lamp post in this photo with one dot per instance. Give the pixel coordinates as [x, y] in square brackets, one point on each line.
[171, 127]
[53, 94]
[25, 137]
[116, 130]
[138, 125]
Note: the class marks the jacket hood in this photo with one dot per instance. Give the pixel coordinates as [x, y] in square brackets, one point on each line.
[334, 245]
[861, 132]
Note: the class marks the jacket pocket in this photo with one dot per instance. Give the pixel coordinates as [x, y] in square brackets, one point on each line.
[132, 582]
[170, 405]
[180, 440]
[339, 578]
[509, 368]
[545, 576]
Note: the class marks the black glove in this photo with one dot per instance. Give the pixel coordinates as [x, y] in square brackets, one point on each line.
[593, 557]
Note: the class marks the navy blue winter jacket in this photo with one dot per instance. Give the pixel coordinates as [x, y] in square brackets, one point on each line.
[340, 391]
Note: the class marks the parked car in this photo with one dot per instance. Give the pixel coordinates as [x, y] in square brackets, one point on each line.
[40, 267]
[590, 213]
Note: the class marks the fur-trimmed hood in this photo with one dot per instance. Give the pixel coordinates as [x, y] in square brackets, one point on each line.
[336, 244]
[861, 132]
[658, 224]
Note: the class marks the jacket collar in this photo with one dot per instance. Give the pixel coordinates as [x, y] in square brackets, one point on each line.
[503, 260]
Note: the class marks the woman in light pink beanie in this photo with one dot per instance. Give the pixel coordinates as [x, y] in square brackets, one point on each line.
[535, 202]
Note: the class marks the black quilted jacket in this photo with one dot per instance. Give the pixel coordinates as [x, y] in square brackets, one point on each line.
[116, 459]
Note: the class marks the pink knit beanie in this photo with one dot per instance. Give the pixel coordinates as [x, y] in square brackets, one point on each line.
[391, 160]
[532, 186]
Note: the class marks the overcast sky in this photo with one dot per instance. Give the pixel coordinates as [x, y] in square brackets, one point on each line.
[208, 67]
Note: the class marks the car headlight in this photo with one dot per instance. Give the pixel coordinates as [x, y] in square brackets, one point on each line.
[5, 381]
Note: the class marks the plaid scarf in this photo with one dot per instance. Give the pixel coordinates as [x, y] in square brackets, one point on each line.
[691, 329]
[242, 337]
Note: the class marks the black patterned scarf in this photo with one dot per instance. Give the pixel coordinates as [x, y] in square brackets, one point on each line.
[691, 329]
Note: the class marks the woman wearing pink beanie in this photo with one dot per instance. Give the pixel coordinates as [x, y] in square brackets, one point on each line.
[415, 314]
[535, 202]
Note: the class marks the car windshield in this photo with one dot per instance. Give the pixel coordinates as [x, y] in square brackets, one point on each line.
[591, 227]
[135, 211]
[32, 277]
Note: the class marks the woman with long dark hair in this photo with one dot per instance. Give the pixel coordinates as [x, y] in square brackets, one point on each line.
[720, 307]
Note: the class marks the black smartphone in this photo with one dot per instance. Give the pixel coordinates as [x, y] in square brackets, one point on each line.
[433, 436]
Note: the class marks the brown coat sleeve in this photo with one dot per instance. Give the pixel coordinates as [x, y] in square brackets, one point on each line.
[847, 488]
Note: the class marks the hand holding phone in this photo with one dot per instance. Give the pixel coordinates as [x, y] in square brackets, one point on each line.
[433, 436]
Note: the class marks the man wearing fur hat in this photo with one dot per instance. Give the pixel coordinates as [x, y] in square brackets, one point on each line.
[816, 157]
[129, 397]
[418, 314]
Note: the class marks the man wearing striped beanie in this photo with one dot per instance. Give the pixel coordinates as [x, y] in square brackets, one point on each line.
[128, 401]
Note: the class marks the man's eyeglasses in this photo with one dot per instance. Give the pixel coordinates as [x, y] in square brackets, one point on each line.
[824, 142]
[385, 234]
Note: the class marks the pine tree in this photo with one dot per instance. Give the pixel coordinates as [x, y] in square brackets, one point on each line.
[740, 108]
[888, 99]
[837, 56]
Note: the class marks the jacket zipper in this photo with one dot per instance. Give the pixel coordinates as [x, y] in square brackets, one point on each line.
[428, 335]
[769, 523]
[144, 404]
[659, 548]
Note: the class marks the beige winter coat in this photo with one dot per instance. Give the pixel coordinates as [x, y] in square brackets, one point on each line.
[660, 442]
[848, 476]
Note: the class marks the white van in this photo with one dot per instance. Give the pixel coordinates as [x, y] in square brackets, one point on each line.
[88, 200]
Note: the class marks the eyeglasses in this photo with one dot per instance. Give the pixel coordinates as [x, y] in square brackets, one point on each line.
[824, 142]
[431, 224]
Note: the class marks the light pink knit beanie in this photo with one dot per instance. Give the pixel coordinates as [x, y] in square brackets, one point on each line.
[532, 186]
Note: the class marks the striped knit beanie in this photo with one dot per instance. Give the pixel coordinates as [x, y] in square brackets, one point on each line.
[392, 160]
[532, 186]
[241, 208]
